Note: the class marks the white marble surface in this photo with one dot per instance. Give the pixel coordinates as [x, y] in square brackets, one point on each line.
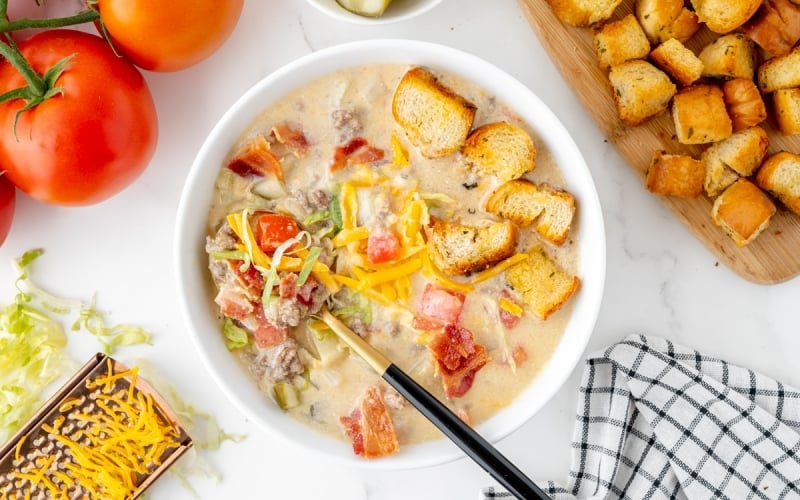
[660, 280]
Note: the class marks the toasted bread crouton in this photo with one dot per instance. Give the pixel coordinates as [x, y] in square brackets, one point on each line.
[641, 91]
[684, 27]
[781, 72]
[742, 152]
[543, 286]
[656, 16]
[434, 118]
[743, 211]
[665, 19]
[583, 13]
[461, 250]
[744, 103]
[729, 56]
[500, 149]
[724, 16]
[700, 115]
[675, 175]
[678, 61]
[786, 103]
[526, 203]
[775, 27]
[718, 177]
[780, 175]
[620, 41]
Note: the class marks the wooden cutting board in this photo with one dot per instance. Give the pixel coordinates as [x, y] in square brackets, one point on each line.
[774, 256]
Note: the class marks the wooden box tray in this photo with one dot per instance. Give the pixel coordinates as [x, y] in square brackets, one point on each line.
[774, 256]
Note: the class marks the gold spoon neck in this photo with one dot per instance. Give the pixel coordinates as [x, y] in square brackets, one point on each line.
[375, 358]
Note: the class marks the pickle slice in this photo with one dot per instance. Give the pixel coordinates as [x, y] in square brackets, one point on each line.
[369, 8]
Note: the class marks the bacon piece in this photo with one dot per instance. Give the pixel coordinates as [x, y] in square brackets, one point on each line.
[292, 137]
[775, 27]
[367, 154]
[250, 279]
[458, 359]
[255, 158]
[369, 426]
[356, 150]
[233, 302]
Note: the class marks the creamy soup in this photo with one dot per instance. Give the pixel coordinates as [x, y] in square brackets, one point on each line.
[344, 171]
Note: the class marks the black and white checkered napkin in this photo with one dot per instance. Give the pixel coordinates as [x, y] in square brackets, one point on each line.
[657, 420]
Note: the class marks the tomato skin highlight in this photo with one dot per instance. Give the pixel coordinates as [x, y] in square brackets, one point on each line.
[383, 246]
[8, 197]
[274, 229]
[87, 144]
[162, 36]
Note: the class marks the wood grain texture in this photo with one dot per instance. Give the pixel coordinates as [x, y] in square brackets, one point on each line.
[774, 256]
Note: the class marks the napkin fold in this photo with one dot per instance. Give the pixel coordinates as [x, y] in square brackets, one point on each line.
[658, 420]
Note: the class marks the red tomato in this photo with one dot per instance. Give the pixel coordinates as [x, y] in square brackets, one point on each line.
[8, 196]
[382, 247]
[441, 306]
[274, 229]
[160, 35]
[87, 144]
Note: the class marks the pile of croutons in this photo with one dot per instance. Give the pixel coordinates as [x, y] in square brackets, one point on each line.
[719, 96]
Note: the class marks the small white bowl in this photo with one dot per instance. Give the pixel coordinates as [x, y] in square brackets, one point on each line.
[196, 291]
[398, 10]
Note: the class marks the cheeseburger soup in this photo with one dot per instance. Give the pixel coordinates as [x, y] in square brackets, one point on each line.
[325, 201]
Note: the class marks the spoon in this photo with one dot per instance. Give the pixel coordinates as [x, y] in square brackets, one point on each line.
[466, 438]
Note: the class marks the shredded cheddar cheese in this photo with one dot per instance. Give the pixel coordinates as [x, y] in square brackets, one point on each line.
[499, 268]
[510, 307]
[112, 440]
[399, 157]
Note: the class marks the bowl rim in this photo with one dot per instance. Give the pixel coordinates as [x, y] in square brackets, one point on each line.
[341, 14]
[190, 258]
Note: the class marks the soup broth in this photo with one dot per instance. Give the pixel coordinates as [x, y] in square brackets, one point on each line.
[306, 130]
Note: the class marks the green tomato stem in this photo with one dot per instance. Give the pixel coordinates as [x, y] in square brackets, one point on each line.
[15, 57]
[4, 10]
[86, 16]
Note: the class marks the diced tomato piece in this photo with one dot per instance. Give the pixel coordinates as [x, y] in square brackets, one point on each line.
[292, 137]
[272, 230]
[369, 426]
[383, 246]
[458, 359]
[256, 159]
[439, 307]
[266, 334]
[506, 318]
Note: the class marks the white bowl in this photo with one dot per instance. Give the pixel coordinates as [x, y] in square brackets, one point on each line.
[398, 10]
[196, 292]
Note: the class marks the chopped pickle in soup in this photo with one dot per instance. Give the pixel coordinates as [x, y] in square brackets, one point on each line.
[325, 202]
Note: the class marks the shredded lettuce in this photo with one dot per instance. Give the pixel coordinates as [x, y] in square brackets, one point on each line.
[88, 317]
[31, 358]
[235, 336]
[313, 254]
[32, 344]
